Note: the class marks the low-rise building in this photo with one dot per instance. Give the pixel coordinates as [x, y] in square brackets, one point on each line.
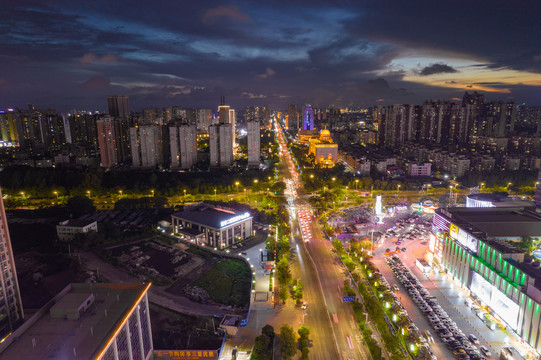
[67, 230]
[221, 227]
[419, 169]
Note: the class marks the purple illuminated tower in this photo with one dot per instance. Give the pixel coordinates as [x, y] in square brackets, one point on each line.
[308, 118]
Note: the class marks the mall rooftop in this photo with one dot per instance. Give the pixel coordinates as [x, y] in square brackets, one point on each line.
[78, 323]
[511, 223]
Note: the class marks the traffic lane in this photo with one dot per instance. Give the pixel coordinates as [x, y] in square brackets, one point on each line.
[316, 318]
[332, 281]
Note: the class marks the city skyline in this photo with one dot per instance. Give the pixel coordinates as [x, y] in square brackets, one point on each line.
[67, 55]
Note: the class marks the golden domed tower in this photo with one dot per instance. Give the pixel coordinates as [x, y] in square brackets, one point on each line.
[325, 136]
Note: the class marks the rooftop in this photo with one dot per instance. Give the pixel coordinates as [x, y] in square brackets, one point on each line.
[45, 337]
[210, 216]
[76, 222]
[511, 222]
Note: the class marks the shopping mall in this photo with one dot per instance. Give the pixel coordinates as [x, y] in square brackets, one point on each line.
[484, 249]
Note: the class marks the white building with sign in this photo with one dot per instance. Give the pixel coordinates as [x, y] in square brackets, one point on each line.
[221, 227]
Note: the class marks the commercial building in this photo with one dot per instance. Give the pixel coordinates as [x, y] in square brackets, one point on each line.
[67, 230]
[308, 118]
[254, 143]
[11, 310]
[495, 200]
[87, 321]
[183, 142]
[483, 249]
[221, 145]
[221, 227]
[323, 148]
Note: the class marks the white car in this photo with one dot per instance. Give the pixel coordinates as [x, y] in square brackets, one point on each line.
[304, 306]
[485, 351]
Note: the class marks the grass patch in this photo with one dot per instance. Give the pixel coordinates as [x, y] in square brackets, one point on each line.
[228, 282]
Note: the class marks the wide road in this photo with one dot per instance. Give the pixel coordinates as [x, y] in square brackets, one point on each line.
[330, 320]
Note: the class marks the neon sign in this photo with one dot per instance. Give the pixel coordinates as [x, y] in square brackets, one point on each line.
[235, 219]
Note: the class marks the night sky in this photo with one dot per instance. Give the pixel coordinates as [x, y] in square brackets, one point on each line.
[72, 54]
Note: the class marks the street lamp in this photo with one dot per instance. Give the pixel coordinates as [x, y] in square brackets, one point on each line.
[237, 185]
[536, 183]
[356, 181]
[214, 194]
[509, 184]
[120, 191]
[482, 185]
[56, 193]
[87, 192]
[152, 192]
[398, 188]
[184, 194]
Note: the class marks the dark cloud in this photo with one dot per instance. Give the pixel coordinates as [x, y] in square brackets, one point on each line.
[69, 53]
[437, 69]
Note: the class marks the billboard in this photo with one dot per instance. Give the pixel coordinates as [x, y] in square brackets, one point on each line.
[453, 231]
[506, 308]
[467, 240]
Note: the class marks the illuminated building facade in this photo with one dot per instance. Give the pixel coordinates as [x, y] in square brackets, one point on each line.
[221, 227]
[478, 248]
[221, 145]
[11, 310]
[87, 321]
[324, 150]
[308, 118]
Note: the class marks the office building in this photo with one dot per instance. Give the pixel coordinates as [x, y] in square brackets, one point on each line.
[254, 143]
[482, 249]
[87, 321]
[11, 310]
[221, 227]
[146, 146]
[221, 145]
[119, 106]
[183, 145]
[308, 118]
[419, 169]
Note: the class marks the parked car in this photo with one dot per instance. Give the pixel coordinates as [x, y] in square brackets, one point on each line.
[485, 351]
[473, 339]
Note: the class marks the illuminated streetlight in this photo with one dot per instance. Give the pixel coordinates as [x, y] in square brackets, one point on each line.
[87, 192]
[152, 192]
[311, 176]
[237, 185]
[214, 194]
[356, 182]
[56, 193]
[509, 184]
[120, 191]
[184, 193]
[398, 188]
[482, 184]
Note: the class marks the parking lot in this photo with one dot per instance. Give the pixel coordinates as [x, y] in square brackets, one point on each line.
[446, 295]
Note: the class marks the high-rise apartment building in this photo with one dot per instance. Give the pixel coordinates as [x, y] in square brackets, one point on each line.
[308, 118]
[221, 145]
[395, 124]
[146, 146]
[183, 142]
[119, 106]
[11, 311]
[204, 119]
[292, 117]
[107, 140]
[254, 143]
